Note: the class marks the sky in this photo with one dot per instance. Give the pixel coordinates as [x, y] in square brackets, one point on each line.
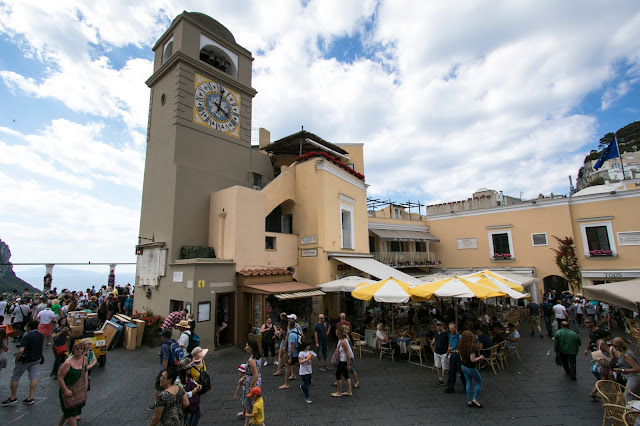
[446, 97]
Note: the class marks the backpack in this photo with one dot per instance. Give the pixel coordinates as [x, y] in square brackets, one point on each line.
[300, 345]
[590, 309]
[194, 340]
[205, 382]
[176, 354]
[547, 309]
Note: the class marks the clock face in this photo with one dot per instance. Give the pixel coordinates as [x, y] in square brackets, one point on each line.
[217, 107]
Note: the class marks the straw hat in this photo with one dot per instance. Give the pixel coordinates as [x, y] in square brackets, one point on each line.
[198, 353]
[183, 324]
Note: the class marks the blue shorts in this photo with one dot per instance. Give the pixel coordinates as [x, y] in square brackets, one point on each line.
[323, 349]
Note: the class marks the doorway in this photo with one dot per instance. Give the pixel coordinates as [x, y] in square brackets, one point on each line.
[225, 315]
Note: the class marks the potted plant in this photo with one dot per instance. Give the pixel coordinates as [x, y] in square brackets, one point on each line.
[600, 253]
[152, 327]
[502, 256]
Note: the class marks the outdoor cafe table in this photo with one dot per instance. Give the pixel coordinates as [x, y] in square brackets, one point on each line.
[403, 343]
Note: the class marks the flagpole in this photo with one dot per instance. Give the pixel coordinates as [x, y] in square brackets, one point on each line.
[619, 154]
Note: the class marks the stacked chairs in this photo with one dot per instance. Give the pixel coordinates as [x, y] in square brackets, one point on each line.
[613, 401]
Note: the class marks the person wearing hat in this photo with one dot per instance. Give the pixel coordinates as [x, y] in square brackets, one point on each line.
[198, 365]
[257, 415]
[185, 334]
[165, 356]
[441, 347]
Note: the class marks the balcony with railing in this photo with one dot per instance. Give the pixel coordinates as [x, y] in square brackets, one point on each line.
[406, 259]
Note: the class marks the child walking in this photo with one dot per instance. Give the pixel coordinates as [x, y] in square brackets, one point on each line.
[305, 357]
[242, 370]
[257, 415]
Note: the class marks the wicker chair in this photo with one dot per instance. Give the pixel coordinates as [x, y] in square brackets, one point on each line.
[416, 346]
[502, 355]
[385, 350]
[492, 359]
[358, 342]
[615, 413]
[611, 392]
[630, 417]
[513, 350]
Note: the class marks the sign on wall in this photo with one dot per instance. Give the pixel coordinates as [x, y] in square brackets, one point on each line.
[309, 252]
[177, 276]
[629, 238]
[151, 265]
[311, 239]
[467, 243]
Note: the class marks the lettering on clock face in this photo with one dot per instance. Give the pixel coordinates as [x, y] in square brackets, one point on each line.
[217, 106]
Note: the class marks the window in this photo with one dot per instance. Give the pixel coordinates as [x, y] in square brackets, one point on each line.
[351, 166]
[396, 246]
[257, 181]
[372, 244]
[167, 50]
[270, 243]
[597, 239]
[347, 229]
[501, 244]
[421, 246]
[539, 239]
[347, 235]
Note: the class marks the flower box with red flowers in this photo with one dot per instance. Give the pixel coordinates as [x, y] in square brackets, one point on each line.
[316, 154]
[502, 256]
[596, 253]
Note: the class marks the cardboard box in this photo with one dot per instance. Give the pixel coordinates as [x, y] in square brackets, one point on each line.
[130, 336]
[140, 334]
[76, 331]
[92, 315]
[123, 318]
[76, 318]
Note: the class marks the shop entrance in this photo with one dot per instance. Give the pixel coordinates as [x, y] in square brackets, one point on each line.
[224, 319]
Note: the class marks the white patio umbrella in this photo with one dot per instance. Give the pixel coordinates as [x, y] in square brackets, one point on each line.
[625, 294]
[346, 284]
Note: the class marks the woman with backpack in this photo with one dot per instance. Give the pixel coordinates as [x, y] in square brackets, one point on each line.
[268, 332]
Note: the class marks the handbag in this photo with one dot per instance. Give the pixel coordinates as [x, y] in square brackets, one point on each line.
[558, 359]
[78, 392]
[600, 358]
[59, 350]
[335, 359]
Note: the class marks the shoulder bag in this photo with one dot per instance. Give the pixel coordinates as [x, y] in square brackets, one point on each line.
[335, 359]
[78, 391]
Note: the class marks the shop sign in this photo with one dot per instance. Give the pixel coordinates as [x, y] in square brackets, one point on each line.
[467, 243]
[312, 239]
[629, 238]
[309, 252]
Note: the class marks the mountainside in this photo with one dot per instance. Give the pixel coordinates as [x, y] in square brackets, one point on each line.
[74, 279]
[11, 282]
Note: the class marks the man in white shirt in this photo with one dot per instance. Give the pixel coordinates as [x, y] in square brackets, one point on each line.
[46, 319]
[185, 334]
[561, 313]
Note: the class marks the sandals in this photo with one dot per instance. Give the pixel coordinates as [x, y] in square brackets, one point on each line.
[477, 404]
[595, 396]
[347, 394]
[357, 385]
[277, 374]
[240, 415]
[336, 395]
[283, 387]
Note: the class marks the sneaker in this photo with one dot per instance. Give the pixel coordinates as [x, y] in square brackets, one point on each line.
[308, 401]
[265, 363]
[9, 401]
[152, 407]
[28, 401]
[439, 383]
[275, 363]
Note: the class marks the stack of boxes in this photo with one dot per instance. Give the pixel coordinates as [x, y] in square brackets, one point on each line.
[75, 320]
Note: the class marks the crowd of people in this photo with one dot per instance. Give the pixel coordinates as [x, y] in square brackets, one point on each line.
[40, 321]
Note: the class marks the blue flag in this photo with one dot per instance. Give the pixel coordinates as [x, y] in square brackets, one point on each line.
[611, 151]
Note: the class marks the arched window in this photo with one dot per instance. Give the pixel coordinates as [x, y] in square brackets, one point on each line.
[218, 56]
[167, 50]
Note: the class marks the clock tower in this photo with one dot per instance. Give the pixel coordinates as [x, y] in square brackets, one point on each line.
[198, 142]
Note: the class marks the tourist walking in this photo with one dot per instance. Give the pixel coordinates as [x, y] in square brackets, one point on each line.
[560, 312]
[171, 401]
[533, 315]
[470, 359]
[321, 331]
[46, 320]
[548, 315]
[73, 380]
[60, 335]
[345, 354]
[455, 366]
[567, 344]
[282, 335]
[292, 354]
[28, 358]
[257, 415]
[627, 366]
[440, 344]
[252, 377]
[305, 359]
[268, 332]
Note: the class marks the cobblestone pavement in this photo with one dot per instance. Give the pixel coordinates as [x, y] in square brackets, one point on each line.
[534, 391]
